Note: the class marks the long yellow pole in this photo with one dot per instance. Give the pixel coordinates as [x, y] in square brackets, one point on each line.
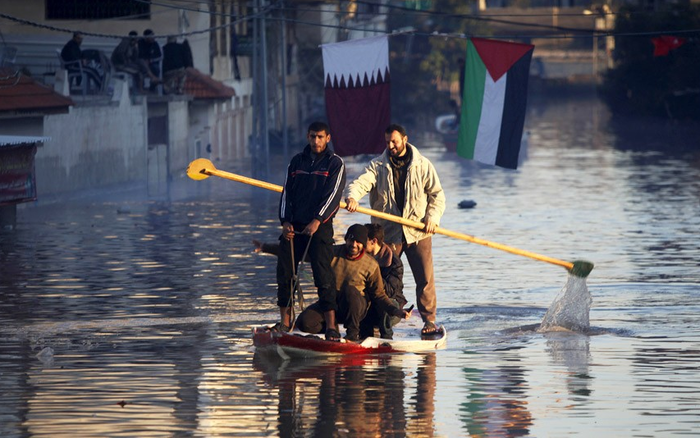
[203, 168]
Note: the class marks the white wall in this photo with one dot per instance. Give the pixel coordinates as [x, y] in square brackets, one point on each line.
[93, 146]
[178, 135]
[224, 125]
[199, 133]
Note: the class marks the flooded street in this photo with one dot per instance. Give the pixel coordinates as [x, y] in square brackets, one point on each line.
[124, 316]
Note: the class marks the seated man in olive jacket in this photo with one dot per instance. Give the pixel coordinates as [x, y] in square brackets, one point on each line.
[360, 287]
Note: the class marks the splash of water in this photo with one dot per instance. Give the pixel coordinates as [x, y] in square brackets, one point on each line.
[570, 309]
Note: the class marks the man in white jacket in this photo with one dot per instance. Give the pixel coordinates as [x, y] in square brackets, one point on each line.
[404, 183]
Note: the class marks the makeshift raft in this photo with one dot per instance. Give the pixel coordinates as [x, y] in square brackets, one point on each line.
[297, 344]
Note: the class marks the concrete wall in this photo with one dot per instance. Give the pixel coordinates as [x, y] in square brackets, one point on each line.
[101, 143]
[178, 135]
[93, 146]
[225, 126]
[231, 122]
[200, 131]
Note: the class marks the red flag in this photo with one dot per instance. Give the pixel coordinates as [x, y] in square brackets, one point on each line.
[665, 43]
[357, 92]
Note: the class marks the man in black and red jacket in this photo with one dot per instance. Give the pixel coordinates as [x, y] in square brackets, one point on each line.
[311, 197]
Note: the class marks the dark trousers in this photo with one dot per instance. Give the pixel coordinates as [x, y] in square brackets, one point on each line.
[155, 69]
[320, 255]
[352, 309]
[378, 318]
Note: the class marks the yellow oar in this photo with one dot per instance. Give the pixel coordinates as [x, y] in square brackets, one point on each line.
[202, 168]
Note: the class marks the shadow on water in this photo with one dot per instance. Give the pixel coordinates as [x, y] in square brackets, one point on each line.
[669, 138]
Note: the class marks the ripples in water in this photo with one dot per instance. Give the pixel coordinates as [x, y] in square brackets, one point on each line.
[128, 317]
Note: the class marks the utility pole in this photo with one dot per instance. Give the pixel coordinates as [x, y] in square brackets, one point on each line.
[260, 146]
[283, 71]
[255, 132]
[265, 105]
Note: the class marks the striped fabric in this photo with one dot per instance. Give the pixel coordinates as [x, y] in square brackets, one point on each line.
[494, 101]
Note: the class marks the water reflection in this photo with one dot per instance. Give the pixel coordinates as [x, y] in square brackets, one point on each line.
[497, 404]
[165, 381]
[503, 394]
[354, 396]
[151, 303]
[571, 351]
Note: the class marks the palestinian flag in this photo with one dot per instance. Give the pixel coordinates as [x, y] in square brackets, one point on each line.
[357, 92]
[494, 101]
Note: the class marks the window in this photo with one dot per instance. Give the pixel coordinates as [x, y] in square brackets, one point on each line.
[95, 10]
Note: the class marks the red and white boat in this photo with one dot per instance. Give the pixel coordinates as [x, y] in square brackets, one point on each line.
[297, 344]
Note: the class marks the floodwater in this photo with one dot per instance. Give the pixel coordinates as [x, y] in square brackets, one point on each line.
[123, 316]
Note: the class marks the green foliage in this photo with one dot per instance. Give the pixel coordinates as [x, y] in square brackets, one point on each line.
[663, 85]
[445, 52]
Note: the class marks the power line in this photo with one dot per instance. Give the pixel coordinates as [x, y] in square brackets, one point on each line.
[387, 6]
[587, 33]
[104, 35]
[395, 7]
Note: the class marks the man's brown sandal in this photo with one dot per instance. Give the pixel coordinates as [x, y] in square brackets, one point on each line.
[430, 329]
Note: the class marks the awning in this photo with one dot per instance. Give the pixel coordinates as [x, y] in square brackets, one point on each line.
[8, 140]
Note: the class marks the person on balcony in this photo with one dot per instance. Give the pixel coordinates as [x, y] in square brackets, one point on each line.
[150, 56]
[75, 62]
[125, 58]
[175, 61]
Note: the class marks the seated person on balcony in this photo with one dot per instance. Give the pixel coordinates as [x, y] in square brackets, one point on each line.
[175, 60]
[150, 57]
[75, 62]
[125, 58]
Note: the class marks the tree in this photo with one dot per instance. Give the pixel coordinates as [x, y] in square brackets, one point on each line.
[642, 83]
[420, 62]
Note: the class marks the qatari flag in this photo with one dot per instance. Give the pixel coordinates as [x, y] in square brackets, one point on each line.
[357, 94]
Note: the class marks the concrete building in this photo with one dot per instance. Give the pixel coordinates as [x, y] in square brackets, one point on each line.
[24, 105]
[114, 136]
[251, 93]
